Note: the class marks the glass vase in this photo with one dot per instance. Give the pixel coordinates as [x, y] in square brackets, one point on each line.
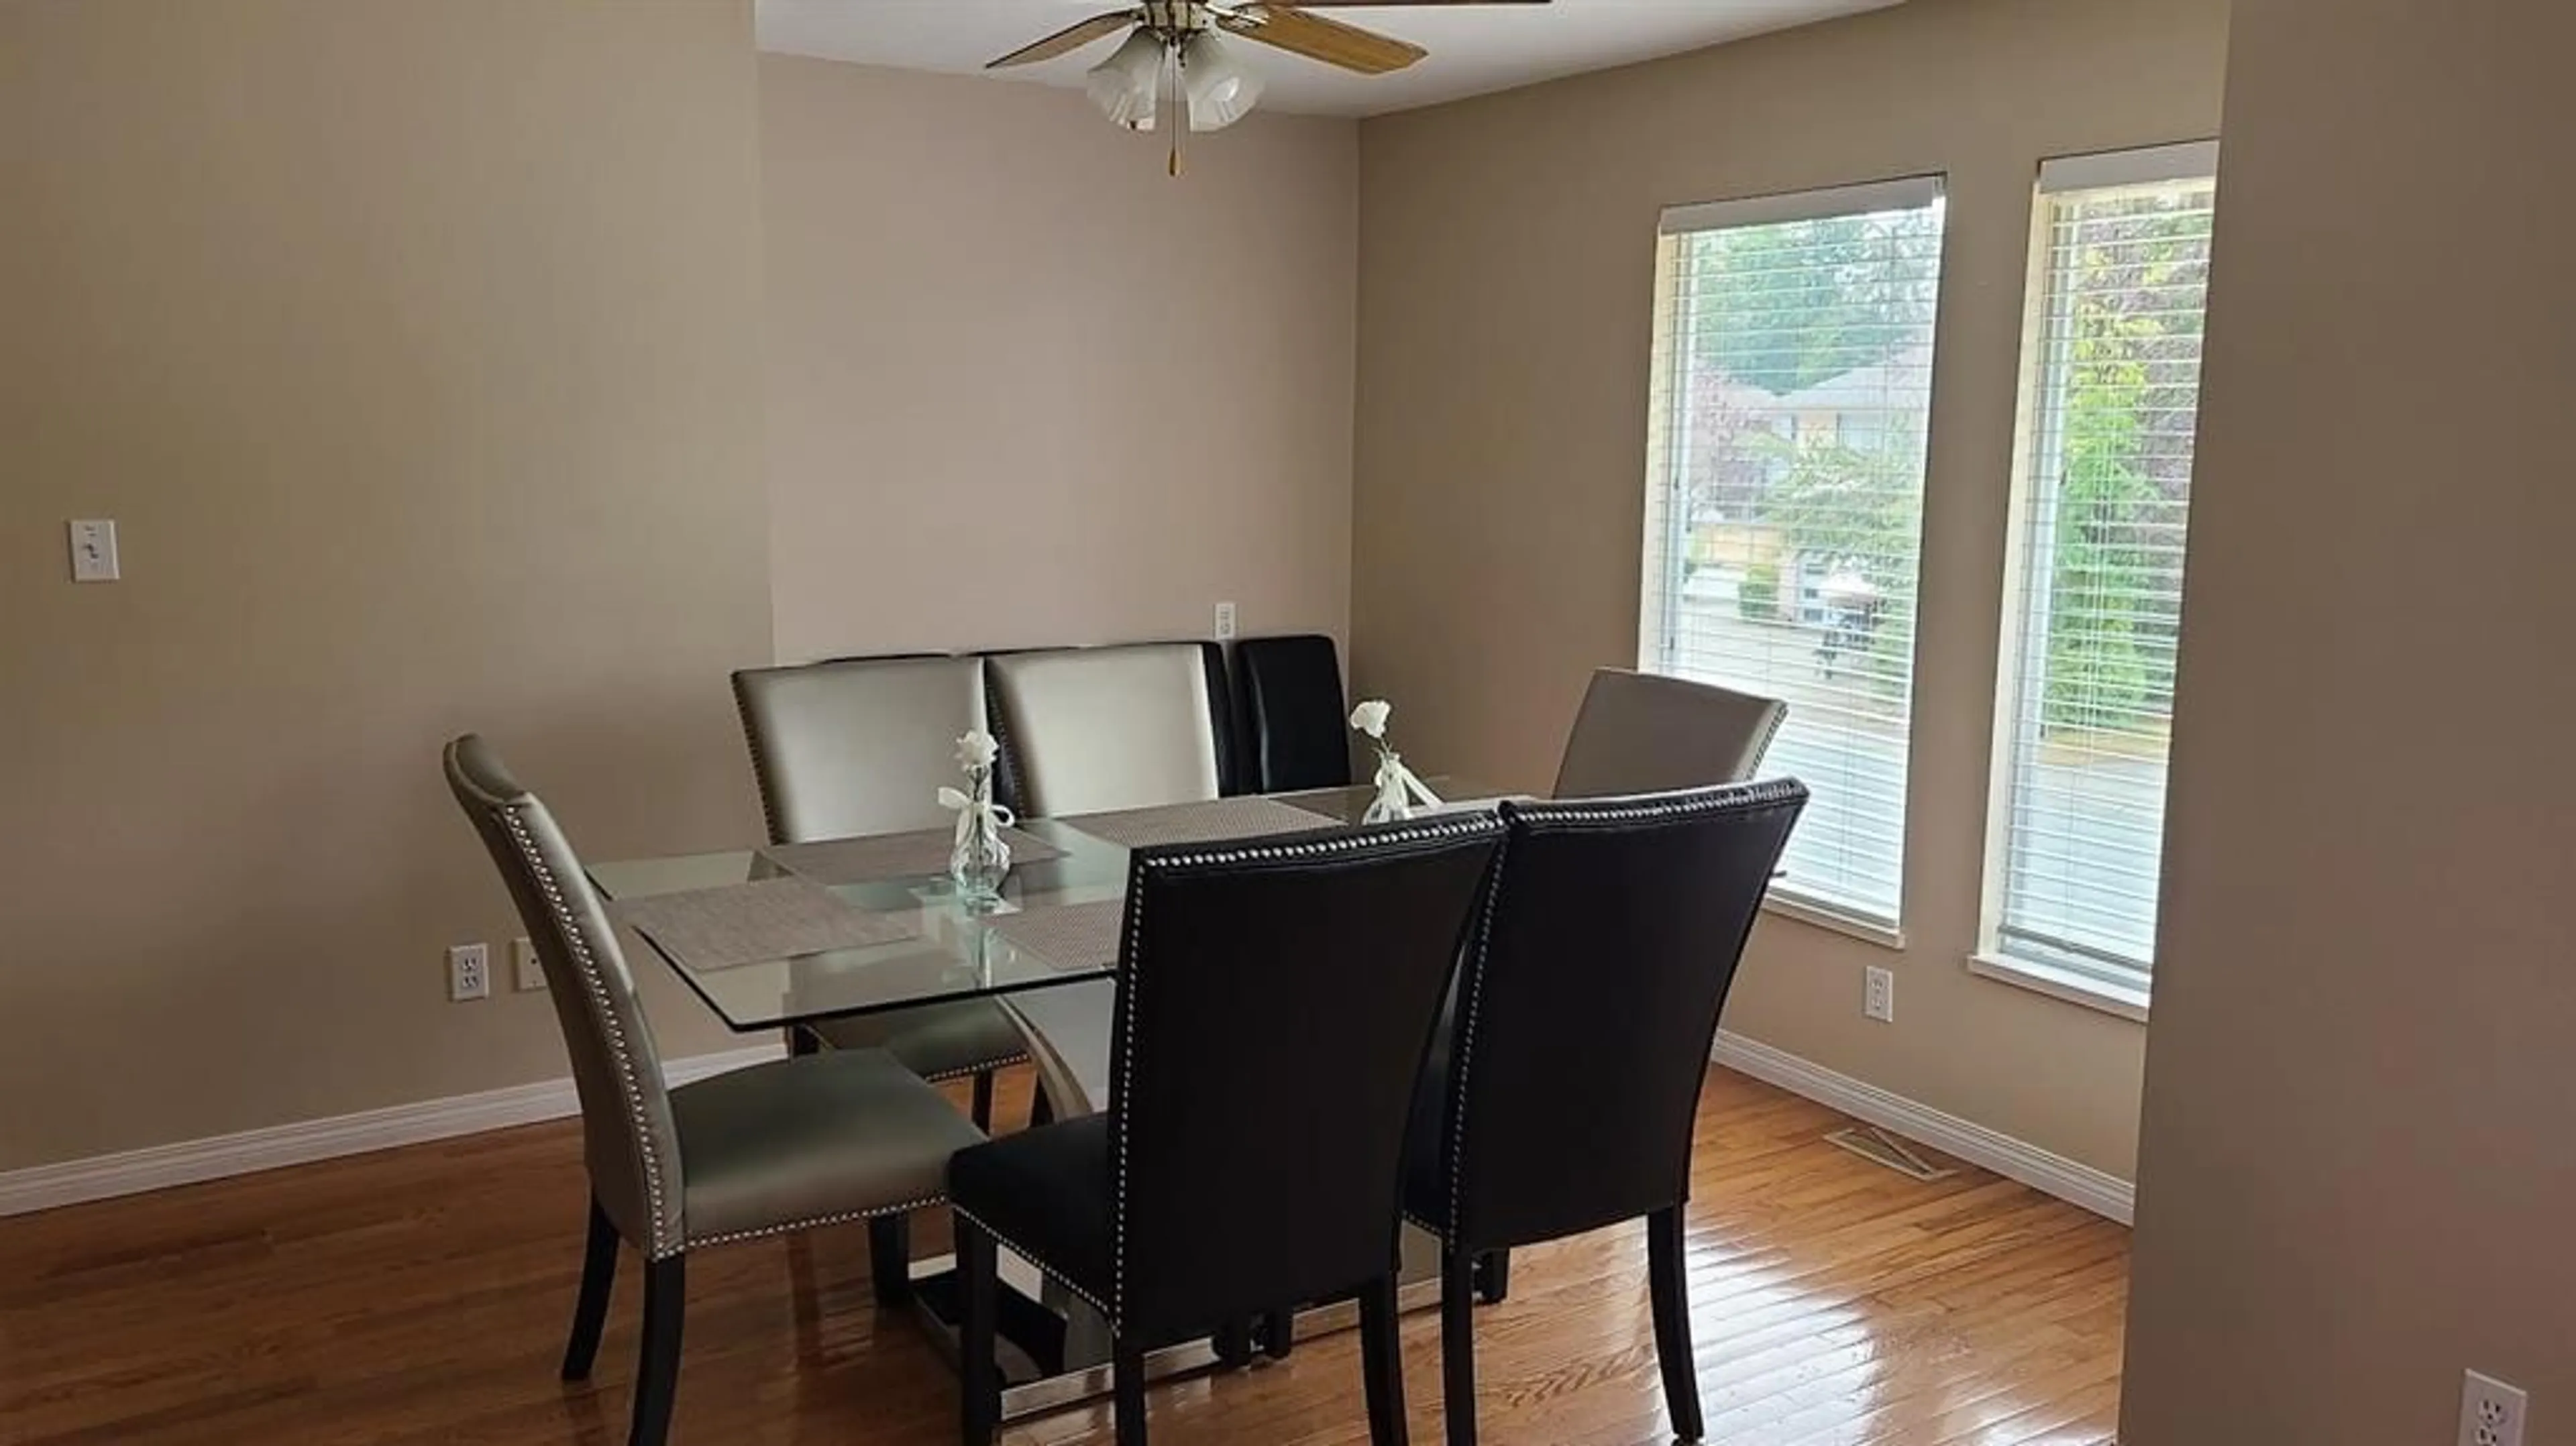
[1393, 801]
[982, 857]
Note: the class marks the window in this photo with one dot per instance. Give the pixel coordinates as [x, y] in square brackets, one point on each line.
[2120, 277]
[1784, 498]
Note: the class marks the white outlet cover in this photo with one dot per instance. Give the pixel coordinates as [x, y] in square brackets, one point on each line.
[469, 973]
[1225, 622]
[2491, 1412]
[525, 972]
[1878, 994]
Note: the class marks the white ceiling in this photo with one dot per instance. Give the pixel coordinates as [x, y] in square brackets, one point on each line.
[1474, 48]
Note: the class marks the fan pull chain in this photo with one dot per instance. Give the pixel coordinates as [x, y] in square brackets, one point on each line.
[1180, 107]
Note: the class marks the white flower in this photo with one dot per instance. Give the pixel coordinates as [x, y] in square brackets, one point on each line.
[977, 750]
[1370, 718]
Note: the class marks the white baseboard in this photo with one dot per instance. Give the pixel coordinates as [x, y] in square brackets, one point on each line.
[102, 1177]
[2078, 1184]
[132, 1172]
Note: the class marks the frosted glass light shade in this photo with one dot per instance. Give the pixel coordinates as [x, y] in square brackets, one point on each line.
[1127, 85]
[1218, 87]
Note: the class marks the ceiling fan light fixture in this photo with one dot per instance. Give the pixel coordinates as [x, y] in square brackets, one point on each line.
[1127, 84]
[1219, 88]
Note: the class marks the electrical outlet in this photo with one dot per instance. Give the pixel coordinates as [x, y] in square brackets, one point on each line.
[1225, 622]
[1878, 994]
[94, 551]
[525, 971]
[2491, 1412]
[469, 973]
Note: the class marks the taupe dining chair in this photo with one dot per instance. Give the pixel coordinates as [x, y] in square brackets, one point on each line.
[761, 1151]
[1086, 730]
[1645, 733]
[861, 746]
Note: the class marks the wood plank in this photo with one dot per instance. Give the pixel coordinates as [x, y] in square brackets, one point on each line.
[420, 1295]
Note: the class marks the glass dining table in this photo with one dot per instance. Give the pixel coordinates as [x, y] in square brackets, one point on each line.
[797, 934]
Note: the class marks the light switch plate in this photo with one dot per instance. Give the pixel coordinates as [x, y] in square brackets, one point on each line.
[1225, 622]
[94, 550]
[526, 972]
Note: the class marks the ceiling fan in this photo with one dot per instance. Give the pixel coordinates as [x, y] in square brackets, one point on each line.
[1210, 85]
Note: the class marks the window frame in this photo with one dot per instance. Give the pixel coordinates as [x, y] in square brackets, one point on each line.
[1667, 521]
[2028, 957]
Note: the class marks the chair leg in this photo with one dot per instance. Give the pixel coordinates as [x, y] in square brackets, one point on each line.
[657, 1373]
[979, 1386]
[1668, 1284]
[1279, 1333]
[1127, 1377]
[1382, 1362]
[1494, 1277]
[890, 1259]
[590, 1309]
[982, 1111]
[1458, 1344]
[801, 1040]
[1232, 1343]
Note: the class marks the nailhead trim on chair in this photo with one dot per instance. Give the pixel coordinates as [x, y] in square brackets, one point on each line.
[1131, 995]
[761, 782]
[969, 1070]
[815, 1222]
[1463, 1051]
[1749, 798]
[1053, 1273]
[1779, 715]
[666, 1239]
[963, 1071]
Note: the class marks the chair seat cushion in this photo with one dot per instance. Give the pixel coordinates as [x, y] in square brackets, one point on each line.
[800, 1141]
[934, 1041]
[1045, 1194]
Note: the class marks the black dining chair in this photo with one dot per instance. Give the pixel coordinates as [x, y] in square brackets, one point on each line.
[1647, 733]
[1564, 1096]
[1230, 1172]
[1288, 702]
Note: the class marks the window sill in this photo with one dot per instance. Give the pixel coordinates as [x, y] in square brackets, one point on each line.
[2063, 984]
[1867, 931]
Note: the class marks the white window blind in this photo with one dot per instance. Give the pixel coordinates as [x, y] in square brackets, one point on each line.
[2120, 279]
[1784, 498]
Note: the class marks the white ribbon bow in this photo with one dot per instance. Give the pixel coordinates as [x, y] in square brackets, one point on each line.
[963, 804]
[1398, 791]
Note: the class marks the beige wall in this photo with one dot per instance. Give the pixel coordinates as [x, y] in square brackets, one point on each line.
[1507, 263]
[415, 347]
[2358, 1169]
[1026, 388]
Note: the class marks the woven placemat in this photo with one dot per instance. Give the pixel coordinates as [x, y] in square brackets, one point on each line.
[1214, 821]
[1070, 936]
[892, 856]
[749, 923]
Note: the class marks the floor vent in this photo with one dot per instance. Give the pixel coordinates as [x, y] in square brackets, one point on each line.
[1877, 1145]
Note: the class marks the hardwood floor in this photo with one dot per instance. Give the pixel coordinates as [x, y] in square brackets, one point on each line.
[421, 1295]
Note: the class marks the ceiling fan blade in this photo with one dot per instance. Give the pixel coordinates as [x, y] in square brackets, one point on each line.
[1316, 38]
[1071, 38]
